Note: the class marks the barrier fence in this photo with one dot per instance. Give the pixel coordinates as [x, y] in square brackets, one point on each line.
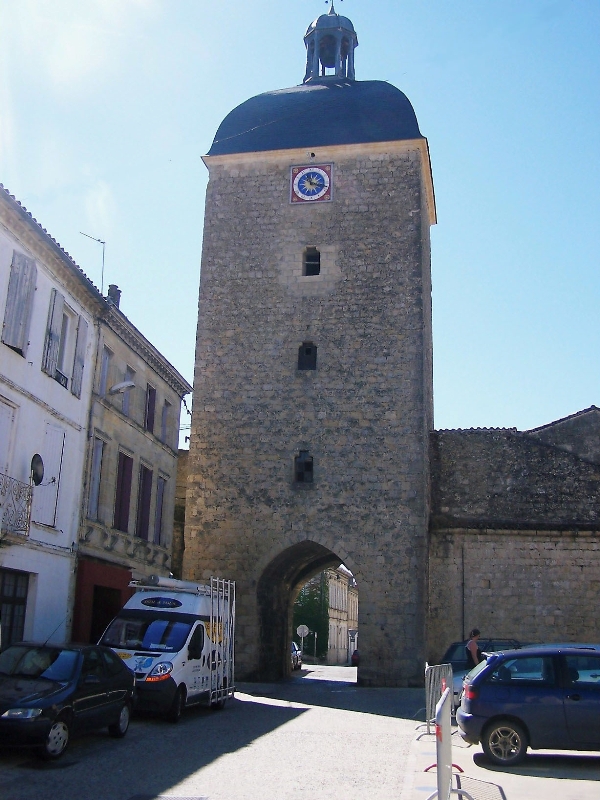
[443, 747]
[438, 678]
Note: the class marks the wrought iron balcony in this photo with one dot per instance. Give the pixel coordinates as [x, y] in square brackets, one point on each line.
[15, 505]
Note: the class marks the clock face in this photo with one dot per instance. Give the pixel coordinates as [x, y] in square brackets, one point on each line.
[311, 184]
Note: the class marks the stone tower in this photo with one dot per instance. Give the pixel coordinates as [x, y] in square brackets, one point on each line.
[313, 381]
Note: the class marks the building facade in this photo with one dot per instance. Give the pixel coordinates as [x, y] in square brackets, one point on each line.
[131, 470]
[343, 615]
[47, 353]
[89, 422]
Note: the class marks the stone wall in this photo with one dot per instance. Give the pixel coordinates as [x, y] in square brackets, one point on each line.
[534, 586]
[515, 534]
[508, 479]
[364, 414]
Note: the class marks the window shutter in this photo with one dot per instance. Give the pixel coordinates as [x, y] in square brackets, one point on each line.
[150, 407]
[45, 496]
[123, 493]
[144, 497]
[51, 348]
[78, 363]
[19, 302]
[158, 519]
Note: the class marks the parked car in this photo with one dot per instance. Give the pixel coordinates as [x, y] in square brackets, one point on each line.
[354, 659]
[296, 654]
[545, 697]
[48, 692]
[456, 655]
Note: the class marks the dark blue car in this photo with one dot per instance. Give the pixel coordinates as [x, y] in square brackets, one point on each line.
[48, 692]
[545, 697]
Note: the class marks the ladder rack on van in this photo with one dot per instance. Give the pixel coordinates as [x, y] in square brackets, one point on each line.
[153, 582]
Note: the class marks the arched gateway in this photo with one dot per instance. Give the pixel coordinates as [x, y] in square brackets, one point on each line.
[313, 386]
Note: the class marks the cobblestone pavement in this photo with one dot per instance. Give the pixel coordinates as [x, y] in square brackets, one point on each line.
[315, 736]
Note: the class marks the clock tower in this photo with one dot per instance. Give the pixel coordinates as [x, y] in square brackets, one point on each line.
[313, 382]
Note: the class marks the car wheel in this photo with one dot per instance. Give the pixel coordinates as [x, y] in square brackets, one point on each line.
[120, 727]
[56, 740]
[504, 743]
[177, 706]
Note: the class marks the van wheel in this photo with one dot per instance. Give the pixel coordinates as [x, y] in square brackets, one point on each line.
[177, 706]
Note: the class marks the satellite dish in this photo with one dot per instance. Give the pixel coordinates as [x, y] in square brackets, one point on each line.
[37, 469]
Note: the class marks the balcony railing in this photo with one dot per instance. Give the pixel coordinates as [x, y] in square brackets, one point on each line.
[15, 505]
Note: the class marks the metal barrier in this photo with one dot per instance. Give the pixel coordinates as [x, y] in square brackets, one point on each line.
[443, 747]
[437, 678]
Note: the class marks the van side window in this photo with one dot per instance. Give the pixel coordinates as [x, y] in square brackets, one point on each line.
[196, 643]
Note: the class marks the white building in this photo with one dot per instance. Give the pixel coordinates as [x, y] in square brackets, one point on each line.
[72, 537]
[47, 346]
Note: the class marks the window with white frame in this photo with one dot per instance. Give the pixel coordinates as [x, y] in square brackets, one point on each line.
[105, 361]
[129, 377]
[65, 345]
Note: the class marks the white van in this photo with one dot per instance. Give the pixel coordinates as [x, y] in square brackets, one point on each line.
[177, 637]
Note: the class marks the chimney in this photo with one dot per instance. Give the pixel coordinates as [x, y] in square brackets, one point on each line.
[114, 295]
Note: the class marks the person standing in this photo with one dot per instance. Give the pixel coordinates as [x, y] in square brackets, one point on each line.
[474, 655]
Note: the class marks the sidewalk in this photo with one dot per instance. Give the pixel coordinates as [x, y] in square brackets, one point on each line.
[543, 775]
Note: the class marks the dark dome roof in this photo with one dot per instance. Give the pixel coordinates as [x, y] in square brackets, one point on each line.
[317, 114]
[330, 21]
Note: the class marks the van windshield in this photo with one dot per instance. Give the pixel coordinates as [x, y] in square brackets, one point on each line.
[146, 631]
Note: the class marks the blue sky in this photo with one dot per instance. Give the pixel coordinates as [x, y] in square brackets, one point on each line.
[107, 106]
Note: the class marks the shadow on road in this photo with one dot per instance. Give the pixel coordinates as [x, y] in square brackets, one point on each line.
[157, 756]
[154, 757]
[565, 766]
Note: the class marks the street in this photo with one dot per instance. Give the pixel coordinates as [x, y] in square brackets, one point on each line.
[314, 736]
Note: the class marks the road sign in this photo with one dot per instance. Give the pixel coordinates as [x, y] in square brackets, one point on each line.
[302, 631]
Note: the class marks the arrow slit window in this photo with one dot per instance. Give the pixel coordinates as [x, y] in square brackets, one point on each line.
[303, 467]
[307, 356]
[311, 262]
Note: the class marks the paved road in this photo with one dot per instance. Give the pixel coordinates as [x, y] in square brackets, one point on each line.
[314, 737]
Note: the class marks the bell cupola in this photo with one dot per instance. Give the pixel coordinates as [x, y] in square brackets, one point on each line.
[330, 41]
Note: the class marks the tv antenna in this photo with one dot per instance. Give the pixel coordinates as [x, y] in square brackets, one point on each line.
[103, 248]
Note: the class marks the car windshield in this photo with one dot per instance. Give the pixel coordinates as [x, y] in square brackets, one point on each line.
[147, 632]
[51, 663]
[456, 652]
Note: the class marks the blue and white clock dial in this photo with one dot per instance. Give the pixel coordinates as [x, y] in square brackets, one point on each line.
[311, 183]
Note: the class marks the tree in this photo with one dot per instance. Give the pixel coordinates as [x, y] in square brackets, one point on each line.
[312, 609]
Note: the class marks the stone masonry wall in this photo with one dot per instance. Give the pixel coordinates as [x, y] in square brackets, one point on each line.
[364, 414]
[507, 479]
[534, 586]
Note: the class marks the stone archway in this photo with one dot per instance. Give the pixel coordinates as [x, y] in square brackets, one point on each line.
[277, 588]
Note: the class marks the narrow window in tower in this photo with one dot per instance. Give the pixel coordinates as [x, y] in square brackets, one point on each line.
[311, 261]
[303, 467]
[307, 356]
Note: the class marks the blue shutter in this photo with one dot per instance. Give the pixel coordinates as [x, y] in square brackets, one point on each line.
[79, 361]
[52, 345]
[19, 302]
